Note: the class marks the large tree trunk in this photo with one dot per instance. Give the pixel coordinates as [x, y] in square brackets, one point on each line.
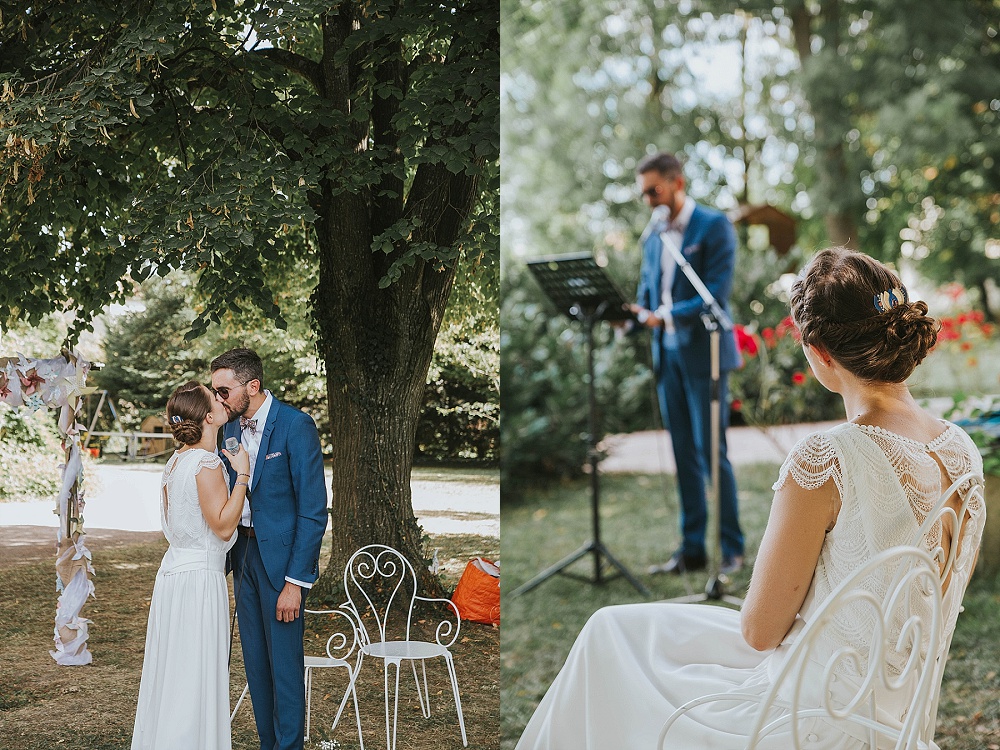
[377, 355]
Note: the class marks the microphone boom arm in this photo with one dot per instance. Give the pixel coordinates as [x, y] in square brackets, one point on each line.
[707, 298]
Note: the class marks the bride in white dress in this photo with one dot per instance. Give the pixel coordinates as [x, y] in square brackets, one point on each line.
[842, 496]
[184, 690]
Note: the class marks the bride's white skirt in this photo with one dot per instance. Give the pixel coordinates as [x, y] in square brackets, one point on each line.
[184, 691]
[632, 665]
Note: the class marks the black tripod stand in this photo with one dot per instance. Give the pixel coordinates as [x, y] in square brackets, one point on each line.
[579, 281]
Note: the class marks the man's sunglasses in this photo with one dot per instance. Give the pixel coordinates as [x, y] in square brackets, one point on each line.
[223, 392]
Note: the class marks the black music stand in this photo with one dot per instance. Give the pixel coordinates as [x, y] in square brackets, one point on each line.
[580, 289]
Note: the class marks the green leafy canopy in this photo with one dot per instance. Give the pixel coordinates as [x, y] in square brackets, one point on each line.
[137, 138]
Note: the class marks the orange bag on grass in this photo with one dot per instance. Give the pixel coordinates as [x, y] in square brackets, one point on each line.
[477, 594]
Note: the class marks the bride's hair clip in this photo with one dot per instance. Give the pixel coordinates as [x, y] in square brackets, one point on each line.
[176, 419]
[890, 298]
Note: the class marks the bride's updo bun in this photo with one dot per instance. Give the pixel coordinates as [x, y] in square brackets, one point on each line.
[859, 312]
[186, 410]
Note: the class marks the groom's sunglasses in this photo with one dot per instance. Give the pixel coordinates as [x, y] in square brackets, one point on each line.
[223, 392]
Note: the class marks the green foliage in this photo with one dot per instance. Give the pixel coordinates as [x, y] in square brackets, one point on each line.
[775, 385]
[198, 135]
[30, 454]
[461, 412]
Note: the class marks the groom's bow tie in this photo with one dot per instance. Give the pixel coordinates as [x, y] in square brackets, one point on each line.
[248, 424]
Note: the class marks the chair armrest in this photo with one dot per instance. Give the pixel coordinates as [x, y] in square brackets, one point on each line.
[445, 627]
[681, 710]
[341, 644]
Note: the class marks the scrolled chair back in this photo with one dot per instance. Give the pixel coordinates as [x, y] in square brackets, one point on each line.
[826, 688]
[380, 585]
[381, 589]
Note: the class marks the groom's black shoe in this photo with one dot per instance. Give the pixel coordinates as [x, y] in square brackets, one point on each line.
[679, 563]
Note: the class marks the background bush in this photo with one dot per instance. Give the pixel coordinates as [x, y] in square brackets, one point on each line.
[30, 454]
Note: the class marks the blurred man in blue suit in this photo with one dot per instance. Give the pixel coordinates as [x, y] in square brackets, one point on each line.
[276, 557]
[670, 307]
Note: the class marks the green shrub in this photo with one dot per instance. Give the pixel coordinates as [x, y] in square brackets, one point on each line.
[775, 385]
[460, 420]
[30, 454]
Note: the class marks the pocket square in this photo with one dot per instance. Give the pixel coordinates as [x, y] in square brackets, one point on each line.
[272, 455]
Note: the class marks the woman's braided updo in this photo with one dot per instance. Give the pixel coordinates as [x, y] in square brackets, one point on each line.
[186, 410]
[833, 304]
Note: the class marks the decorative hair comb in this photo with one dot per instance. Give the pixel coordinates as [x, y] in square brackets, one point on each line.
[890, 298]
[176, 419]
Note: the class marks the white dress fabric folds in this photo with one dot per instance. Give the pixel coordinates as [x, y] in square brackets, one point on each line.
[632, 665]
[184, 690]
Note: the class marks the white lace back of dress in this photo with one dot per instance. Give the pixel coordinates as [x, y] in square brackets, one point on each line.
[887, 485]
[181, 517]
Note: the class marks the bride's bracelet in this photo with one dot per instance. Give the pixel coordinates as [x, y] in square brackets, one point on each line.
[243, 475]
[241, 484]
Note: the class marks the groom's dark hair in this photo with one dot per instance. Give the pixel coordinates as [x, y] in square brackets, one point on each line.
[244, 363]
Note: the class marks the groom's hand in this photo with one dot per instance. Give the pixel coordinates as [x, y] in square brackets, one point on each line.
[289, 602]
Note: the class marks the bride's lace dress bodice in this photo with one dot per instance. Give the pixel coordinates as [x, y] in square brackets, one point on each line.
[180, 516]
[887, 485]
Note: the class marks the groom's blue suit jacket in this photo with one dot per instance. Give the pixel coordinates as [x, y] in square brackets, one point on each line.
[709, 245]
[288, 494]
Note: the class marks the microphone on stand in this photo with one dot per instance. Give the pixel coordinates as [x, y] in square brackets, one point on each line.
[657, 221]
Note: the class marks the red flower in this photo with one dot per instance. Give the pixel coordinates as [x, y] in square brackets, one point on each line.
[745, 341]
[798, 378]
[976, 316]
[736, 404]
[987, 329]
[947, 323]
[966, 346]
[948, 333]
[768, 335]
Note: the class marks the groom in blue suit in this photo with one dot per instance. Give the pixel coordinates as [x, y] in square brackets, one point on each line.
[276, 556]
[670, 307]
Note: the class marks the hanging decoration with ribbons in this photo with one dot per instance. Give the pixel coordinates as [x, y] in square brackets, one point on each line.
[59, 383]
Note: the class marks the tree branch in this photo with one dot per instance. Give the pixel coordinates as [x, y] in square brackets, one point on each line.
[295, 63]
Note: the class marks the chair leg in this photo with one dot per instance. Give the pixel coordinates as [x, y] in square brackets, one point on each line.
[239, 702]
[424, 698]
[458, 700]
[308, 699]
[350, 692]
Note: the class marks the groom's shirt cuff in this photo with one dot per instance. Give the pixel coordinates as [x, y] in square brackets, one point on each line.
[299, 583]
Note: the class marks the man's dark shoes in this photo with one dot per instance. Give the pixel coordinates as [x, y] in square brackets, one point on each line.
[679, 563]
[731, 564]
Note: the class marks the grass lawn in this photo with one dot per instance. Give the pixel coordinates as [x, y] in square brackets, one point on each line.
[45, 706]
[639, 527]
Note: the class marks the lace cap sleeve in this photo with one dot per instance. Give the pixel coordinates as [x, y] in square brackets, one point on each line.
[207, 460]
[811, 464]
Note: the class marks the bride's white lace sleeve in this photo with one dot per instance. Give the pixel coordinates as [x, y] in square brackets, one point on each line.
[207, 461]
[811, 464]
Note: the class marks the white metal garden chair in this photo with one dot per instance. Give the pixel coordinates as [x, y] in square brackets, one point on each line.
[381, 594]
[909, 614]
[340, 646]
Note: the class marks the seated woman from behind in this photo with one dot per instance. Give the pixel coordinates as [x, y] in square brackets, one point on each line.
[842, 497]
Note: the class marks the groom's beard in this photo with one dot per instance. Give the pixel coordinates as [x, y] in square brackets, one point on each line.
[239, 409]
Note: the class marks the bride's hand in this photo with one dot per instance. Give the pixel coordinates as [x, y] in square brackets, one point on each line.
[241, 461]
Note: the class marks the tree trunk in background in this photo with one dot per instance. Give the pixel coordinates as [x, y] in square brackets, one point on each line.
[838, 188]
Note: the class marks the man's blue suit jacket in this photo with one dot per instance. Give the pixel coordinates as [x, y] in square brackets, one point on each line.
[709, 245]
[288, 494]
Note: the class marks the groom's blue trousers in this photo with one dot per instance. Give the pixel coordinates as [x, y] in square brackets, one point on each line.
[272, 652]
